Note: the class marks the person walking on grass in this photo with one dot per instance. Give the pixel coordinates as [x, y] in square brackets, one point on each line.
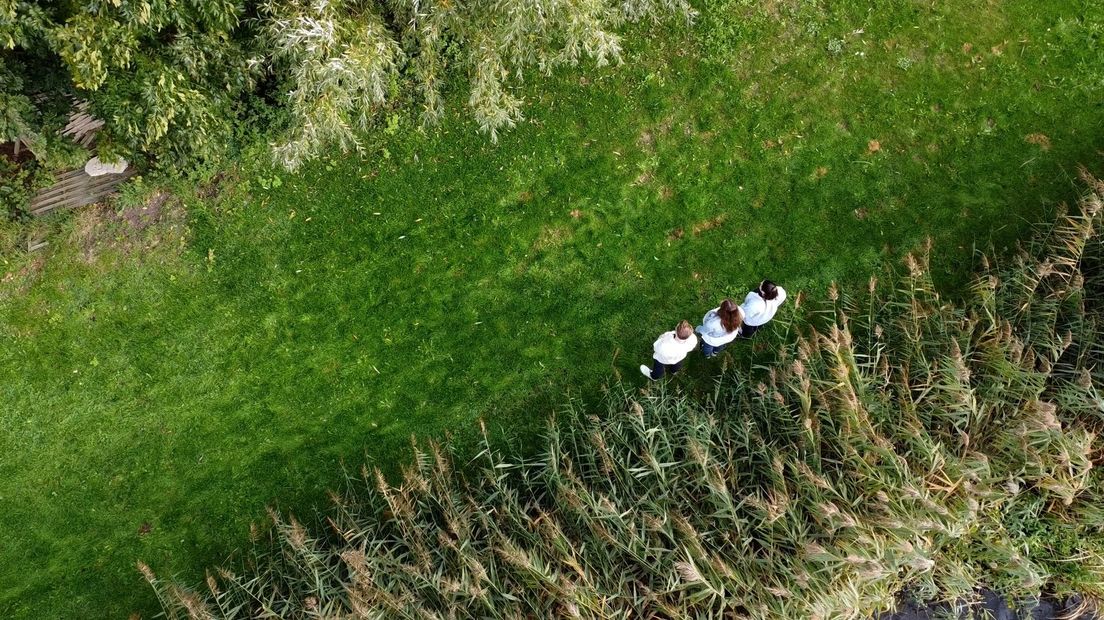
[720, 326]
[760, 305]
[670, 350]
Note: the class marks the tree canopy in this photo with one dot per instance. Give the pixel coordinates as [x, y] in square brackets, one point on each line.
[174, 79]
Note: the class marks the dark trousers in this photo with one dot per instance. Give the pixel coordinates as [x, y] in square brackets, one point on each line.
[710, 350]
[659, 368]
[746, 331]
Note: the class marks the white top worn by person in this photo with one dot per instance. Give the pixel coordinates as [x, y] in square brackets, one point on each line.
[670, 349]
[713, 331]
[761, 305]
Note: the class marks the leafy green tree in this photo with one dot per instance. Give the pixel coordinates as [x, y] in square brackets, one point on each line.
[22, 26]
[167, 76]
[16, 108]
[173, 78]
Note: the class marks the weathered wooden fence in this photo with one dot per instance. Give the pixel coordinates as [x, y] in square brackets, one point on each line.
[75, 187]
[82, 126]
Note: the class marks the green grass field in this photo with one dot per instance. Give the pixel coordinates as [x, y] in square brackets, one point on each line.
[161, 384]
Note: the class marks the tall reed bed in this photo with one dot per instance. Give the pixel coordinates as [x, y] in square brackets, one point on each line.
[900, 440]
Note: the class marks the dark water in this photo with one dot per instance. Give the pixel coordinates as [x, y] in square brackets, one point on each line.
[993, 607]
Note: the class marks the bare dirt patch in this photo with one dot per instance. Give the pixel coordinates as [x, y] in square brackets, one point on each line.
[551, 237]
[664, 126]
[214, 187]
[1038, 139]
[699, 228]
[646, 141]
[710, 224]
[772, 8]
[132, 230]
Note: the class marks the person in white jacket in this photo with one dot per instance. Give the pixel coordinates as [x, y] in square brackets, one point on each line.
[669, 351]
[720, 326]
[760, 306]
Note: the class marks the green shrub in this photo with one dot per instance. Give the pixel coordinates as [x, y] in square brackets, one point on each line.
[898, 440]
[15, 189]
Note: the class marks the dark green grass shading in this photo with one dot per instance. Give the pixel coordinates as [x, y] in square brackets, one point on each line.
[299, 331]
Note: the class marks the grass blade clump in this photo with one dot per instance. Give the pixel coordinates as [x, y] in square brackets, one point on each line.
[899, 440]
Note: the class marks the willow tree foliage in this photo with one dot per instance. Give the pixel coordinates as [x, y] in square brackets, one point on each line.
[338, 67]
[343, 61]
[175, 78]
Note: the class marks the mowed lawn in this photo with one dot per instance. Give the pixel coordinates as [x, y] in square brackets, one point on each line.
[161, 384]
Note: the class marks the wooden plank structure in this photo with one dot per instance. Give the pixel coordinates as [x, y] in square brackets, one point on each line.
[82, 126]
[74, 187]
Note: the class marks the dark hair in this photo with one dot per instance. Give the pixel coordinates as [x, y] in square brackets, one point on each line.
[768, 290]
[731, 315]
[684, 330]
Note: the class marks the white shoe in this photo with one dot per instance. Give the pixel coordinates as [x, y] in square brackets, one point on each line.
[646, 371]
